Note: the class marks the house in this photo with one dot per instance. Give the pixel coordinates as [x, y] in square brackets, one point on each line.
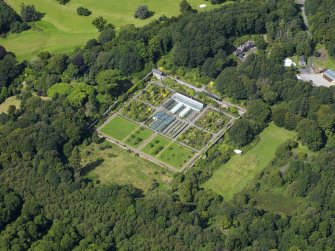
[158, 74]
[302, 60]
[288, 62]
[244, 48]
[329, 75]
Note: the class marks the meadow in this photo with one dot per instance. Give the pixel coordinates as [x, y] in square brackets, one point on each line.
[8, 102]
[62, 30]
[120, 166]
[233, 176]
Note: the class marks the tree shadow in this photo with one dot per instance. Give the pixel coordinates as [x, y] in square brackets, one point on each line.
[91, 166]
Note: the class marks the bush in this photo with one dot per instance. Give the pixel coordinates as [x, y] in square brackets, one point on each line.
[142, 12]
[81, 11]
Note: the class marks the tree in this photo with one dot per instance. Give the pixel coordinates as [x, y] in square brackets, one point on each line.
[185, 7]
[29, 13]
[258, 111]
[2, 52]
[99, 23]
[310, 134]
[142, 12]
[81, 11]
[107, 35]
[241, 133]
[63, 2]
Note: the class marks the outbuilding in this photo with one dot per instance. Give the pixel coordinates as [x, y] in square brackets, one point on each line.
[329, 75]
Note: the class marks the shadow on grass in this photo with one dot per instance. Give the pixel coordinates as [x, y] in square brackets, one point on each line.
[91, 166]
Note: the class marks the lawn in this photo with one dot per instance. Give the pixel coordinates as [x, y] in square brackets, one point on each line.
[8, 102]
[176, 155]
[122, 167]
[233, 176]
[119, 128]
[61, 30]
[156, 145]
[138, 137]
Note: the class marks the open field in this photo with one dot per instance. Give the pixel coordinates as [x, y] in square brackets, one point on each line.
[119, 128]
[8, 102]
[61, 30]
[176, 155]
[233, 176]
[156, 145]
[122, 167]
[138, 137]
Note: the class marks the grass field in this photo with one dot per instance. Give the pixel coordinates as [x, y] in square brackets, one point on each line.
[61, 30]
[122, 167]
[176, 155]
[233, 176]
[156, 145]
[276, 201]
[8, 102]
[119, 128]
[138, 137]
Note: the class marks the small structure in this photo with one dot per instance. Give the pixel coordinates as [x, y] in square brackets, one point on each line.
[329, 75]
[158, 74]
[302, 60]
[244, 48]
[288, 62]
[202, 5]
[237, 151]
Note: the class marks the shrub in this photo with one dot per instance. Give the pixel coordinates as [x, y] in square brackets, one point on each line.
[142, 12]
[82, 11]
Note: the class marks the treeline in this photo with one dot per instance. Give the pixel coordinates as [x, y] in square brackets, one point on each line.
[10, 21]
[321, 15]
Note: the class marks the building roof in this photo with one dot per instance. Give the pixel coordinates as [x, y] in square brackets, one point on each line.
[158, 72]
[330, 74]
[188, 101]
[288, 62]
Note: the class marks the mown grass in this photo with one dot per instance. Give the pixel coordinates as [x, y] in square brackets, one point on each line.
[8, 102]
[156, 145]
[120, 166]
[61, 30]
[138, 137]
[176, 155]
[119, 128]
[233, 176]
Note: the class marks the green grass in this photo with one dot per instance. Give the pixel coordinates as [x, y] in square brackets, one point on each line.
[275, 201]
[327, 63]
[176, 155]
[61, 30]
[138, 137]
[119, 128]
[8, 102]
[120, 166]
[156, 145]
[233, 176]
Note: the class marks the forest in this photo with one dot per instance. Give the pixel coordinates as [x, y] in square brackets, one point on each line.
[47, 204]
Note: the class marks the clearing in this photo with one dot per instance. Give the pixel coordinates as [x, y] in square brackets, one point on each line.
[119, 128]
[8, 102]
[120, 166]
[62, 29]
[233, 176]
